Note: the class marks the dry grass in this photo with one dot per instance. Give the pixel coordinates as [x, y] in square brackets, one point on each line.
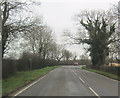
[114, 64]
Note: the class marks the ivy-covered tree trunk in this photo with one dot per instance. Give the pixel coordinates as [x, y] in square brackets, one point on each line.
[5, 32]
[99, 39]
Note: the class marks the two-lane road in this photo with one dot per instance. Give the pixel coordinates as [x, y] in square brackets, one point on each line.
[71, 81]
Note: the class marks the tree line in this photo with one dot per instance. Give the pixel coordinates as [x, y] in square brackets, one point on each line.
[38, 46]
[99, 30]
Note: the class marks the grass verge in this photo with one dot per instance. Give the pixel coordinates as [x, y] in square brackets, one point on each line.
[113, 76]
[21, 78]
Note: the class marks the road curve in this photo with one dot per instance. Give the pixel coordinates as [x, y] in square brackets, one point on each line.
[71, 81]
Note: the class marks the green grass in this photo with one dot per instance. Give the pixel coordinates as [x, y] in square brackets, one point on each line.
[0, 88]
[21, 78]
[113, 76]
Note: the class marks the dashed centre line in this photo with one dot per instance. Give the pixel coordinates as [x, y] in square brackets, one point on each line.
[94, 92]
[82, 80]
[86, 84]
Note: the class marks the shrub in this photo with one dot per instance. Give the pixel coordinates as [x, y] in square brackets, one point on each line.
[8, 68]
[30, 61]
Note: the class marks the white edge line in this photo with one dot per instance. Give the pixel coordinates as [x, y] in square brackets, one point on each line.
[51, 71]
[82, 80]
[29, 86]
[94, 92]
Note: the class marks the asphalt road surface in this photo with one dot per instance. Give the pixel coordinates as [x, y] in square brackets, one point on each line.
[71, 81]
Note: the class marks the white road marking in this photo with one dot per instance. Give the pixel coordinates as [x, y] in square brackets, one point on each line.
[74, 73]
[29, 86]
[79, 77]
[82, 80]
[51, 71]
[88, 86]
[94, 92]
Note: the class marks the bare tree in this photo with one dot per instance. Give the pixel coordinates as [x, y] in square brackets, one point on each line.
[67, 54]
[97, 29]
[40, 38]
[33, 34]
[114, 47]
[12, 21]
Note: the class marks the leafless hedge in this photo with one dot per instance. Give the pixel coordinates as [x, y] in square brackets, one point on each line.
[26, 62]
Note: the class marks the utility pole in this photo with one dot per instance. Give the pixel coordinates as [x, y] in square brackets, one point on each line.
[0, 53]
[119, 44]
[30, 61]
[119, 27]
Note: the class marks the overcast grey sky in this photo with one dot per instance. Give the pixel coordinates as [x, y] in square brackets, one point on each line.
[58, 15]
